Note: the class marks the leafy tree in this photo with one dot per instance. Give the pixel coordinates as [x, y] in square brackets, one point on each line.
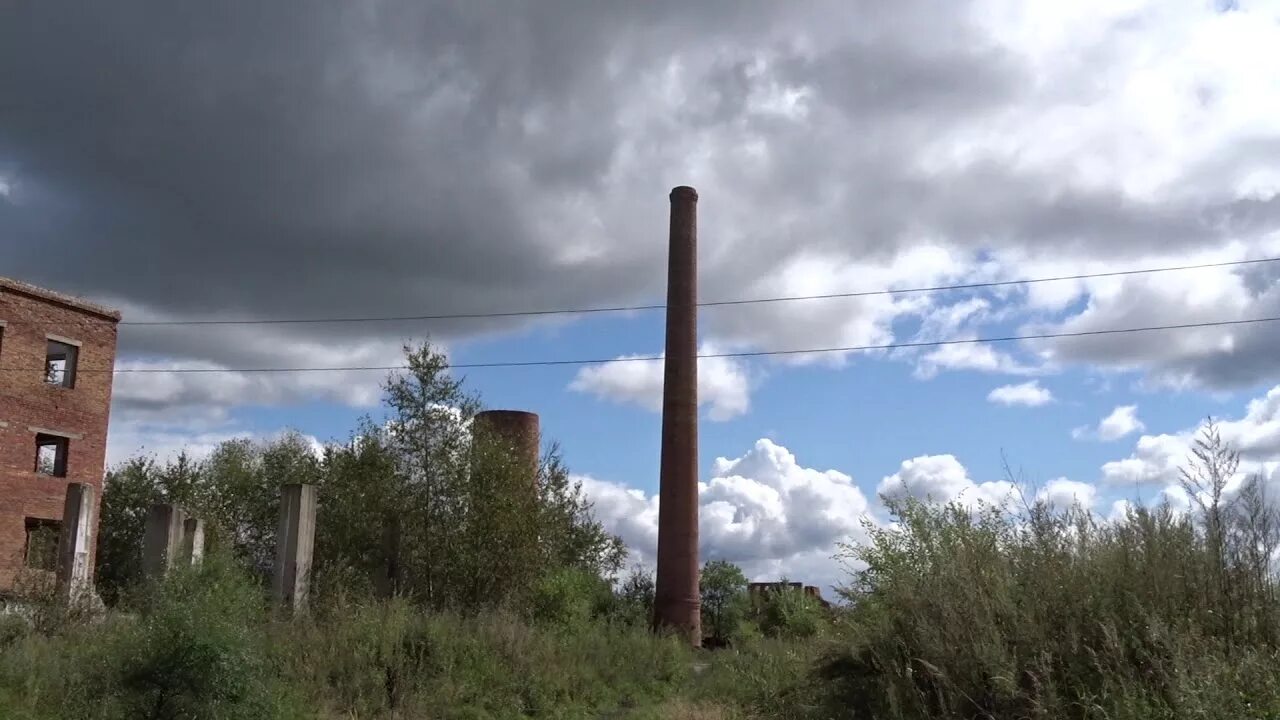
[357, 502]
[634, 602]
[723, 587]
[239, 493]
[428, 506]
[235, 490]
[422, 505]
[128, 491]
[427, 434]
[568, 531]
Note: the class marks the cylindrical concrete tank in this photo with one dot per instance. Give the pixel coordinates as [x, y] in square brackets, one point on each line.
[677, 604]
[519, 431]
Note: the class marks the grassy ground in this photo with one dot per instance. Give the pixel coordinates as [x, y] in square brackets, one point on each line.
[960, 613]
[195, 652]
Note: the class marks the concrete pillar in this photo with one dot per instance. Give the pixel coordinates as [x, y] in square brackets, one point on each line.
[192, 541]
[75, 543]
[677, 604]
[519, 431]
[295, 540]
[162, 541]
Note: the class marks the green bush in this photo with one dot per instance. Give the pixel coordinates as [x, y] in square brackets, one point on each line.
[633, 603]
[13, 627]
[787, 612]
[194, 652]
[569, 598]
[192, 649]
[1052, 615]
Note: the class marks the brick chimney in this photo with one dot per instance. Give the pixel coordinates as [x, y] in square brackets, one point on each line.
[677, 604]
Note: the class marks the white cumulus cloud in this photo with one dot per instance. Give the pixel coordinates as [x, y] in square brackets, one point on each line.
[723, 383]
[763, 511]
[1063, 493]
[1155, 459]
[941, 478]
[1029, 394]
[1121, 422]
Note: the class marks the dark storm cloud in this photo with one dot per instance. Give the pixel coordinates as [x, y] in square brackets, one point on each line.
[299, 159]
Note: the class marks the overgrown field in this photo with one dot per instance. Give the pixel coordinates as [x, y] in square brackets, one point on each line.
[495, 601]
[959, 614]
[204, 645]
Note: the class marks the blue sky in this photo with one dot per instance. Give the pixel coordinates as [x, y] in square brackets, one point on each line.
[259, 163]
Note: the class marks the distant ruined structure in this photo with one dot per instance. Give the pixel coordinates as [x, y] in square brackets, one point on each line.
[677, 604]
[56, 357]
[757, 590]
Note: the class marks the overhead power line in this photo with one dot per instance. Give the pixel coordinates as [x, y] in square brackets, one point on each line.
[651, 358]
[713, 303]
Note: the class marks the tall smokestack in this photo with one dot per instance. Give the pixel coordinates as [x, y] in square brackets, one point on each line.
[677, 604]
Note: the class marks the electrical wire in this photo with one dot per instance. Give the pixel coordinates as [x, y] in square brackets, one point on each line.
[651, 307]
[651, 358]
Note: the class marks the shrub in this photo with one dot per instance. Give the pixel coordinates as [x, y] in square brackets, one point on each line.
[787, 612]
[996, 613]
[569, 598]
[194, 650]
[633, 603]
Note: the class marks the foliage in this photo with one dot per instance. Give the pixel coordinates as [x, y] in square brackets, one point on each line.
[192, 649]
[569, 534]
[423, 502]
[499, 600]
[633, 601]
[415, 506]
[239, 496]
[1043, 614]
[723, 588]
[236, 490]
[570, 598]
[129, 491]
[393, 659]
[788, 612]
[357, 493]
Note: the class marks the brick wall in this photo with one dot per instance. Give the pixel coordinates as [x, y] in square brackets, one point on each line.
[27, 317]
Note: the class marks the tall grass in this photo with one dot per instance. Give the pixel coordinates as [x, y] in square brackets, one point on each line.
[998, 613]
[202, 646]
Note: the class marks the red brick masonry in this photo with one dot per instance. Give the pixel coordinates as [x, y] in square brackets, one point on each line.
[29, 318]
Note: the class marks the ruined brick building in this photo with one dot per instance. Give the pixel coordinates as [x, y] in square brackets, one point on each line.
[56, 353]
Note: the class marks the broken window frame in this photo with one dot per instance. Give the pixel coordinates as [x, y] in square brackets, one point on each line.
[62, 449]
[48, 532]
[59, 349]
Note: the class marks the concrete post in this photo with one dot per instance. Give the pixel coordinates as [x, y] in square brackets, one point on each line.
[75, 543]
[162, 541]
[295, 540]
[519, 431]
[677, 603]
[192, 541]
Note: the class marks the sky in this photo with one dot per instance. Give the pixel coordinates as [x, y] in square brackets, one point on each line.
[248, 161]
